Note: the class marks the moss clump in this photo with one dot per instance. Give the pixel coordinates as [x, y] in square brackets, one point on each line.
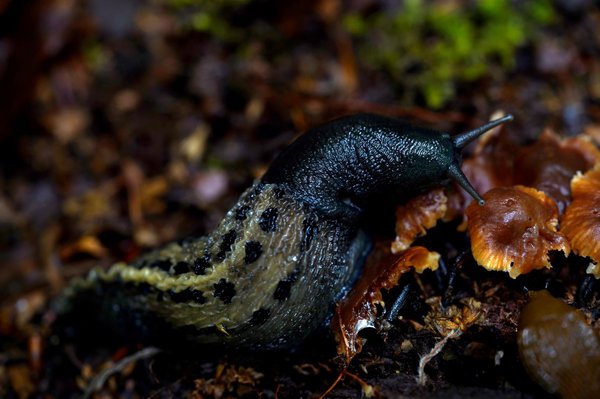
[427, 47]
[211, 17]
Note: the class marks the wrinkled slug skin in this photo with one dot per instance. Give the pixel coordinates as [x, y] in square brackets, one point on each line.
[270, 273]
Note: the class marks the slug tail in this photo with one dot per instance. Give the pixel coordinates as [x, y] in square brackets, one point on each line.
[93, 310]
[461, 140]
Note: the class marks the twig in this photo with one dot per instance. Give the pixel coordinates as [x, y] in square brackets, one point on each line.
[368, 390]
[99, 380]
[337, 380]
[422, 377]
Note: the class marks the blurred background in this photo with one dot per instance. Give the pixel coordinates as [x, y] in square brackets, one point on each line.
[125, 123]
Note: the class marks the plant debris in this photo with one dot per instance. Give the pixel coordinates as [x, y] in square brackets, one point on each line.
[359, 309]
[228, 380]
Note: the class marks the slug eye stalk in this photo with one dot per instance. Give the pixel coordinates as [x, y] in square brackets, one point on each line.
[458, 176]
[460, 141]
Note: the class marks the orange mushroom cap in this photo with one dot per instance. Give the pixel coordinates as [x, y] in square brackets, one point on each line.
[581, 221]
[515, 230]
[416, 216]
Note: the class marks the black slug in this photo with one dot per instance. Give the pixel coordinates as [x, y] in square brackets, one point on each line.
[288, 250]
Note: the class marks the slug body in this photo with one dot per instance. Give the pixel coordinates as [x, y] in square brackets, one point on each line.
[292, 246]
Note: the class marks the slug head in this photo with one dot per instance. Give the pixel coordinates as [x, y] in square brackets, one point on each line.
[458, 143]
[426, 157]
[347, 165]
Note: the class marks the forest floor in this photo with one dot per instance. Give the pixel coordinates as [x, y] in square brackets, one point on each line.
[122, 129]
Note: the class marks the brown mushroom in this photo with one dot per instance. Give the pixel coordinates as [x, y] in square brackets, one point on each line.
[416, 216]
[550, 163]
[581, 221]
[514, 230]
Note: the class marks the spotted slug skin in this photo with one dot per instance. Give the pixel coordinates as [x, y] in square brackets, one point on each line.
[293, 244]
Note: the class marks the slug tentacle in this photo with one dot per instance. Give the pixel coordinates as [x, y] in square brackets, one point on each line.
[459, 177]
[271, 272]
[461, 140]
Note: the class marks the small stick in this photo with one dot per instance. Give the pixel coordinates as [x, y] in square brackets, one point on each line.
[422, 377]
[99, 380]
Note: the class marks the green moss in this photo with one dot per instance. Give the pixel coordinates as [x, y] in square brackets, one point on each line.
[211, 17]
[428, 47]
[94, 55]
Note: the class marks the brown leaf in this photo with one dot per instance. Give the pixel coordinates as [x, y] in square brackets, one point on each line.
[89, 245]
[359, 309]
[21, 381]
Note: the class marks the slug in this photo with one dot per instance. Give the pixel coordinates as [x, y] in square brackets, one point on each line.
[292, 245]
[558, 348]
